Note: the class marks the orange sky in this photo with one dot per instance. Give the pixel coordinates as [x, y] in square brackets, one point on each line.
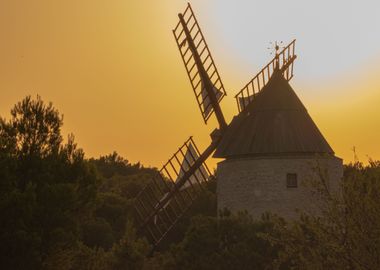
[113, 69]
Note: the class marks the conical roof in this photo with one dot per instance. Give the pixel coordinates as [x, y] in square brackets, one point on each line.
[274, 123]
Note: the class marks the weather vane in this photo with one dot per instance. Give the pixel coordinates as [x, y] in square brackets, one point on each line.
[275, 47]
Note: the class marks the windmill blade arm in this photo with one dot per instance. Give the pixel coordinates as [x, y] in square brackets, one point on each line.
[182, 180]
[201, 69]
[165, 200]
[287, 64]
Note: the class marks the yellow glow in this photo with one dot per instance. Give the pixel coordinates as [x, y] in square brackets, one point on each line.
[113, 69]
[349, 116]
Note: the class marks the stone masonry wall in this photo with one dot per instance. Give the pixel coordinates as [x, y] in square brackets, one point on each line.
[259, 184]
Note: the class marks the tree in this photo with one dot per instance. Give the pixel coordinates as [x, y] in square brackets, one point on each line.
[346, 235]
[36, 127]
[224, 242]
[47, 186]
[131, 252]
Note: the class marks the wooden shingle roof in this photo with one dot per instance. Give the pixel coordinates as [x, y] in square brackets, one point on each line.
[274, 123]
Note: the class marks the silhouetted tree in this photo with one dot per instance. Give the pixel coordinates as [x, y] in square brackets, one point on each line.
[48, 186]
[346, 234]
[227, 242]
[61, 211]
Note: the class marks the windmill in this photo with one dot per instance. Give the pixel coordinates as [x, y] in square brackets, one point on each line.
[161, 204]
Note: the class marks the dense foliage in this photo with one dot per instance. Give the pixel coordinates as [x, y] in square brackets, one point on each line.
[346, 235]
[59, 210]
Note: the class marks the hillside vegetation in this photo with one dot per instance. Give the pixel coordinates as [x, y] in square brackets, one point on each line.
[60, 210]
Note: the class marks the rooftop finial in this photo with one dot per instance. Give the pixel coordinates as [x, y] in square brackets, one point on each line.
[275, 47]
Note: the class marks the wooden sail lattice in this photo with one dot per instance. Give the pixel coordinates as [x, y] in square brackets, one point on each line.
[161, 204]
[198, 61]
[284, 61]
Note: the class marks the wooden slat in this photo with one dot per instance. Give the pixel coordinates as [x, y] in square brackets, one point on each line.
[203, 51]
[285, 59]
[168, 213]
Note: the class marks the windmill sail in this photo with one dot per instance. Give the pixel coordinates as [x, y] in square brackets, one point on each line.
[202, 72]
[165, 200]
[283, 61]
[206, 102]
[199, 176]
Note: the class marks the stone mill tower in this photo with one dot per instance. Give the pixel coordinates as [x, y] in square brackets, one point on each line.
[271, 149]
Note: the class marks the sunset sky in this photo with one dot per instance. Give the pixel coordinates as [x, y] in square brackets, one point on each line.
[113, 68]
